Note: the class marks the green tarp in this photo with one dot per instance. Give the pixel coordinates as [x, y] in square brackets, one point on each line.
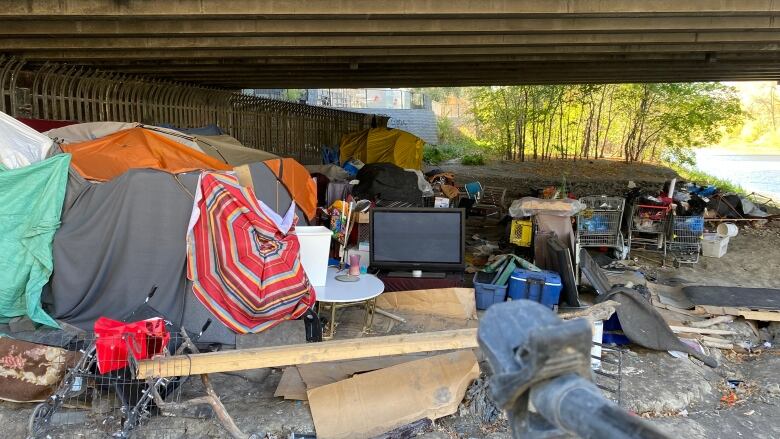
[30, 206]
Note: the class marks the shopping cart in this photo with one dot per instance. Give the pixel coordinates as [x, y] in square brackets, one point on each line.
[119, 402]
[648, 228]
[684, 242]
[599, 224]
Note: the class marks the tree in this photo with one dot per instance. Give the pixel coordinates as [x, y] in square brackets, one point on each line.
[632, 121]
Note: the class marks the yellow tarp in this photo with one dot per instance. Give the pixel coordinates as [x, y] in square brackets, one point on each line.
[383, 145]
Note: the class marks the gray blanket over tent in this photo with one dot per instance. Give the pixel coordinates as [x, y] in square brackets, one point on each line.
[116, 241]
[121, 237]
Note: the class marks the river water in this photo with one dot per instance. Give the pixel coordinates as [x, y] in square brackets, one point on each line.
[755, 173]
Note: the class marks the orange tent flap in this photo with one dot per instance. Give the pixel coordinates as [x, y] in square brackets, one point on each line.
[298, 182]
[110, 156]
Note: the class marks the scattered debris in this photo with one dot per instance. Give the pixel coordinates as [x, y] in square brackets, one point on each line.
[478, 402]
[599, 311]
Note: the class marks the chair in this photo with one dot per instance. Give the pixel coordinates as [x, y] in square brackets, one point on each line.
[489, 200]
[474, 190]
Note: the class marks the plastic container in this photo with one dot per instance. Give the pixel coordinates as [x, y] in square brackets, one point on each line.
[315, 245]
[521, 233]
[486, 292]
[595, 349]
[728, 230]
[714, 245]
[612, 332]
[540, 286]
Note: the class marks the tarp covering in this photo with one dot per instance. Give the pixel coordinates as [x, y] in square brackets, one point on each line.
[333, 172]
[207, 130]
[30, 205]
[110, 156]
[20, 145]
[83, 132]
[245, 266]
[388, 182]
[228, 149]
[121, 237]
[117, 240]
[298, 182]
[383, 145]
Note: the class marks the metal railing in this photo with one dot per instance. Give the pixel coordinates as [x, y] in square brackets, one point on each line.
[66, 92]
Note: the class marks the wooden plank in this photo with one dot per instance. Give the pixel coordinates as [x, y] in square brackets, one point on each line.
[717, 310]
[766, 316]
[701, 330]
[748, 314]
[686, 312]
[277, 356]
[711, 322]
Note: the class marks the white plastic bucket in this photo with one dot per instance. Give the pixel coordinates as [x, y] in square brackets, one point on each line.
[315, 246]
[728, 229]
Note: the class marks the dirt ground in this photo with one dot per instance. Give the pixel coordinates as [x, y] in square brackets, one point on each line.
[587, 177]
[679, 395]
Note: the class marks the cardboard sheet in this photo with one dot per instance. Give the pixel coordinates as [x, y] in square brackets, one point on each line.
[291, 385]
[375, 402]
[456, 303]
[319, 374]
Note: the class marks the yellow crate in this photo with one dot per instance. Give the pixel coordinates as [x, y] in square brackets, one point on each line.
[521, 233]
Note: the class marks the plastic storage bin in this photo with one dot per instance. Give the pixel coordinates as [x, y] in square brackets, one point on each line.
[315, 246]
[714, 245]
[540, 286]
[487, 293]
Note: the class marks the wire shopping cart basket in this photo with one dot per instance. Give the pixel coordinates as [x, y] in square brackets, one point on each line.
[684, 242]
[599, 224]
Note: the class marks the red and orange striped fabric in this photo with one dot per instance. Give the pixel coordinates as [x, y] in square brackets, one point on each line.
[243, 269]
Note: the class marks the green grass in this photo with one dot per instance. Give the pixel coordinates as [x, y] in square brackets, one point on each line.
[702, 179]
[433, 155]
[473, 159]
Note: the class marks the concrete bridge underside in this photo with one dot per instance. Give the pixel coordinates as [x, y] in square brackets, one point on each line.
[358, 43]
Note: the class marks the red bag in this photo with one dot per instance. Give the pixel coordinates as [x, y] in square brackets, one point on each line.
[113, 339]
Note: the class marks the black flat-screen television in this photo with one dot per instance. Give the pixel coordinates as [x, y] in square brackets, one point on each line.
[417, 239]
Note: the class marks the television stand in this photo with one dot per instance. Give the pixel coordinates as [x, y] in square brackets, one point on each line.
[425, 274]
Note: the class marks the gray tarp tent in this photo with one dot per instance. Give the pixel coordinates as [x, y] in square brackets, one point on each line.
[121, 237]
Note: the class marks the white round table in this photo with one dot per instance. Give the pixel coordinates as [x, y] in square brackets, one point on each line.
[335, 292]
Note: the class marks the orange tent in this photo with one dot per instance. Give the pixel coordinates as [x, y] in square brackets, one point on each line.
[110, 156]
[298, 182]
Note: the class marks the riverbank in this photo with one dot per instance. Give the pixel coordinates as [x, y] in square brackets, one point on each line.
[749, 172]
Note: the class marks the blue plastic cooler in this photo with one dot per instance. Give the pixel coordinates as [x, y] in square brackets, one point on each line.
[540, 286]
